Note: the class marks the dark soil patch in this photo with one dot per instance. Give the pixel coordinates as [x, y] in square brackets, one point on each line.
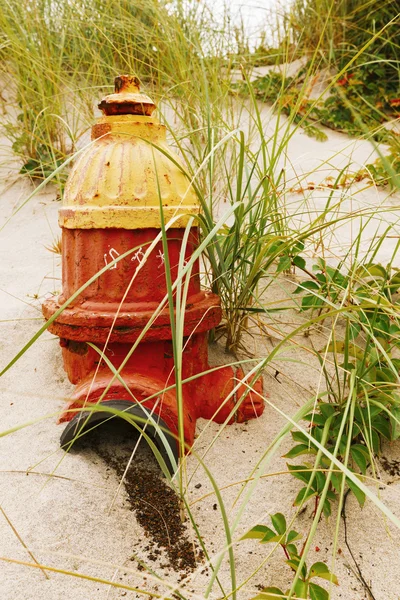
[391, 466]
[156, 505]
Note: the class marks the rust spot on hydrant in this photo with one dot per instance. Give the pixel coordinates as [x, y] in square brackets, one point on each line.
[111, 205]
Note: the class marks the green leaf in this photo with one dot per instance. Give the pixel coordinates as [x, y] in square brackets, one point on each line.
[343, 445]
[311, 301]
[299, 450]
[293, 536]
[292, 550]
[385, 375]
[298, 247]
[382, 325]
[336, 479]
[334, 274]
[315, 419]
[279, 523]
[359, 459]
[301, 472]
[319, 569]
[256, 533]
[306, 285]
[326, 409]
[372, 411]
[301, 588]
[394, 329]
[356, 491]
[362, 449]
[284, 264]
[394, 283]
[376, 442]
[269, 593]
[395, 422]
[381, 424]
[299, 436]
[274, 246]
[271, 536]
[317, 592]
[326, 509]
[355, 329]
[298, 261]
[372, 270]
[396, 363]
[344, 348]
[372, 301]
[319, 481]
[302, 496]
[294, 564]
[320, 265]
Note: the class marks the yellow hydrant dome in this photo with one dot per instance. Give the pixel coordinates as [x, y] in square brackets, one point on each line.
[119, 179]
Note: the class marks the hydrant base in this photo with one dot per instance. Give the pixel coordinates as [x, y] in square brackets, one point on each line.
[210, 396]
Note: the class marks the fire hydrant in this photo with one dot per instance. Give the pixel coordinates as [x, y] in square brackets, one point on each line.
[112, 205]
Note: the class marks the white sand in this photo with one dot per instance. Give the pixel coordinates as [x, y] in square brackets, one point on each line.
[64, 519]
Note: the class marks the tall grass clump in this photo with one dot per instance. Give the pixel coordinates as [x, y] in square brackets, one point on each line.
[57, 56]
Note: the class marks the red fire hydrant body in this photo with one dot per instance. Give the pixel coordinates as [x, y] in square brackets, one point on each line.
[112, 206]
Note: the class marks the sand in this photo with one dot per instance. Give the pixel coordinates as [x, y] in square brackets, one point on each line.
[58, 505]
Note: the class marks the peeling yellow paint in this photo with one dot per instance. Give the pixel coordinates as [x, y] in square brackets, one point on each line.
[119, 180]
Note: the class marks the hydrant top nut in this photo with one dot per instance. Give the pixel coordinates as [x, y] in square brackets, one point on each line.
[127, 99]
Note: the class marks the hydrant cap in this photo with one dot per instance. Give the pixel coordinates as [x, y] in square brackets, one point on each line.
[121, 180]
[127, 99]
